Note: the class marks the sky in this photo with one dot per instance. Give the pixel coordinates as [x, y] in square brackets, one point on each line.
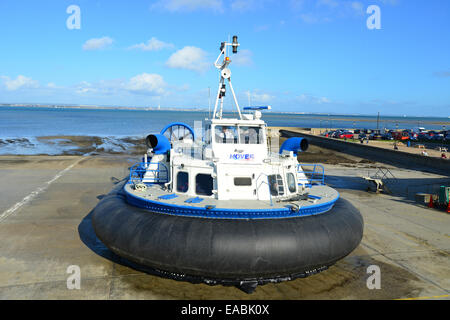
[314, 56]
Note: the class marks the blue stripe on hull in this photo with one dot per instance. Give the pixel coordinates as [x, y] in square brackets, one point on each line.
[201, 212]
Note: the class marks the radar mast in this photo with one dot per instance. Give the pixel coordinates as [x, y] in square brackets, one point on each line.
[225, 74]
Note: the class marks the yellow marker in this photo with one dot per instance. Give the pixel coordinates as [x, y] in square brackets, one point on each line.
[419, 298]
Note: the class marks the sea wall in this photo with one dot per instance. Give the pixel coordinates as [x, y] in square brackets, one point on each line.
[394, 157]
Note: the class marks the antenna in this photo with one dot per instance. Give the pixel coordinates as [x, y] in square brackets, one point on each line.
[209, 102]
[225, 73]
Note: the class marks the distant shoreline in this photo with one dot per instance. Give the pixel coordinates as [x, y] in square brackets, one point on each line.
[318, 116]
[89, 107]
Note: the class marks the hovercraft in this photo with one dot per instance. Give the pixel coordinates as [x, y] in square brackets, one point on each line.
[222, 208]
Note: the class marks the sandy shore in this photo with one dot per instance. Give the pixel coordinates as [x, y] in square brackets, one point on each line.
[72, 145]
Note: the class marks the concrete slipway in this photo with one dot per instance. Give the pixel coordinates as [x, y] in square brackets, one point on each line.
[45, 205]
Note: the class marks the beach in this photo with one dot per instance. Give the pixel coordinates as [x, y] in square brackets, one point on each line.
[45, 227]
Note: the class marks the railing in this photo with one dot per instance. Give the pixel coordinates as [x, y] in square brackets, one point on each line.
[268, 185]
[191, 151]
[139, 170]
[315, 176]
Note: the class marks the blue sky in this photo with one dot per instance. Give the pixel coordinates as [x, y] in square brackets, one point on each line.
[296, 55]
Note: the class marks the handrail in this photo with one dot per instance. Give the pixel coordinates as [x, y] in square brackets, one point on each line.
[138, 171]
[268, 185]
[321, 175]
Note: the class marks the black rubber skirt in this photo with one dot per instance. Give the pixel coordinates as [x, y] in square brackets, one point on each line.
[227, 251]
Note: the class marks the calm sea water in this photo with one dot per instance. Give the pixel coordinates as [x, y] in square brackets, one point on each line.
[20, 126]
[17, 122]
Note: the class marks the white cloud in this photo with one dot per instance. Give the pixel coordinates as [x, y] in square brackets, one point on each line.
[259, 97]
[328, 3]
[152, 45]
[188, 5]
[144, 83]
[247, 5]
[309, 99]
[243, 58]
[309, 18]
[263, 27]
[297, 4]
[358, 7]
[263, 97]
[147, 83]
[20, 82]
[442, 74]
[390, 2]
[85, 87]
[320, 11]
[190, 58]
[97, 43]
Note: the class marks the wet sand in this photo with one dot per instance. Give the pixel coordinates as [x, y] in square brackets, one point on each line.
[45, 205]
[73, 145]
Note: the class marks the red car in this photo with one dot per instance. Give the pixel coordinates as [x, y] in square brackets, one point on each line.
[397, 135]
[346, 135]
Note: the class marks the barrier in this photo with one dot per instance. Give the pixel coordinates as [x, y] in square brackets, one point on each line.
[394, 157]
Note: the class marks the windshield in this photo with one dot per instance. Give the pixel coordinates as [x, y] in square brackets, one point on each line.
[226, 134]
[250, 135]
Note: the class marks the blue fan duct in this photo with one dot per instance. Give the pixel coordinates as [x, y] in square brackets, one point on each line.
[181, 124]
[295, 144]
[159, 143]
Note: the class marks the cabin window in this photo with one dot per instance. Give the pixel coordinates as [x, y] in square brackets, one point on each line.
[203, 184]
[182, 182]
[225, 134]
[276, 185]
[250, 135]
[242, 181]
[292, 186]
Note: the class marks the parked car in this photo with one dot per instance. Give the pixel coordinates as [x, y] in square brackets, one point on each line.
[375, 136]
[334, 134]
[387, 136]
[438, 137]
[422, 136]
[400, 135]
[345, 135]
[362, 136]
[414, 135]
[430, 134]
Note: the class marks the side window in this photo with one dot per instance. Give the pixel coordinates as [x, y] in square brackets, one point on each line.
[203, 184]
[182, 181]
[242, 181]
[292, 186]
[276, 185]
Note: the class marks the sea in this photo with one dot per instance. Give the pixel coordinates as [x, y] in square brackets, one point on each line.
[21, 127]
